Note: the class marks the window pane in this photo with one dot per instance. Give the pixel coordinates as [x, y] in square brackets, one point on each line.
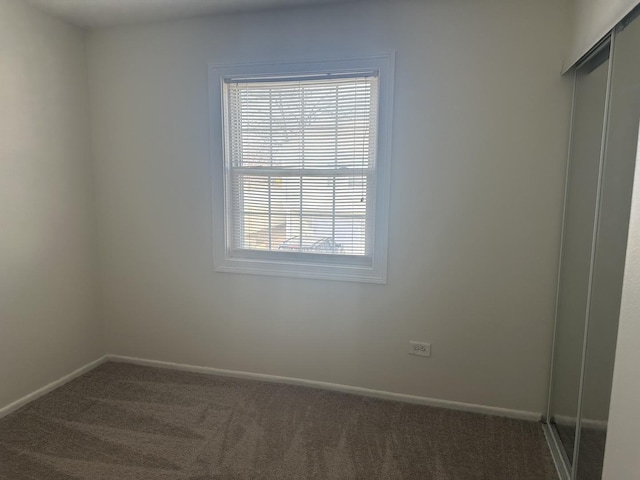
[302, 126]
[275, 213]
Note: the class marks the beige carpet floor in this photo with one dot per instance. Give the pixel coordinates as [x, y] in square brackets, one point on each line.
[129, 422]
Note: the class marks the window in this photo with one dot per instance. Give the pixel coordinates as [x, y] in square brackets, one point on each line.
[301, 168]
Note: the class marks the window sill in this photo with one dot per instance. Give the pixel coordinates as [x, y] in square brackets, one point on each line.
[307, 269]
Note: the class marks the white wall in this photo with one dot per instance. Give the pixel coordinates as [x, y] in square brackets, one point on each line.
[592, 19]
[48, 322]
[480, 131]
[621, 457]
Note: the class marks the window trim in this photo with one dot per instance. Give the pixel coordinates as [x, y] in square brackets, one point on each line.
[300, 265]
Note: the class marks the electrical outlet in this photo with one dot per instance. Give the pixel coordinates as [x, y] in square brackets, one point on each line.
[420, 348]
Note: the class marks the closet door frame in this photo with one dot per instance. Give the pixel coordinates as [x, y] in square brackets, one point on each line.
[568, 469]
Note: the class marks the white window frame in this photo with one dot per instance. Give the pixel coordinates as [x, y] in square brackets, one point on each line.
[330, 267]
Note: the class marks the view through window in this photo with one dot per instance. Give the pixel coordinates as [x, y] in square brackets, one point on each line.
[300, 163]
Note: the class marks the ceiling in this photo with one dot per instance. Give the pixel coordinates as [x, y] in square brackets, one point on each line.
[108, 13]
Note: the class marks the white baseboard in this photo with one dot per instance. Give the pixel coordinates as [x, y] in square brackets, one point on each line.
[367, 392]
[568, 421]
[594, 424]
[433, 402]
[21, 402]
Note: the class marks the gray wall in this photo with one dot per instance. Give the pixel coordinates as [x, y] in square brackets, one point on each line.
[480, 132]
[48, 320]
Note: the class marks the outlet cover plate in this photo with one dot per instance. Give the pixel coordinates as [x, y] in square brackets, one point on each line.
[420, 348]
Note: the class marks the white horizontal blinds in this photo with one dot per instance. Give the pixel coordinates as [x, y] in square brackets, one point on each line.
[301, 163]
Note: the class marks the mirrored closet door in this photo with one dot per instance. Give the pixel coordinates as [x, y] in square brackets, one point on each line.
[602, 156]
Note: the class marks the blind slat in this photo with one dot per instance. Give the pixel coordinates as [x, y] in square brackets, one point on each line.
[301, 163]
